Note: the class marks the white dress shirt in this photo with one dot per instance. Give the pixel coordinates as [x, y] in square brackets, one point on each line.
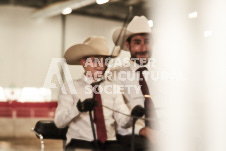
[79, 124]
[129, 79]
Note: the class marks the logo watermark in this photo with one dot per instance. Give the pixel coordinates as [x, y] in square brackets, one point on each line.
[118, 75]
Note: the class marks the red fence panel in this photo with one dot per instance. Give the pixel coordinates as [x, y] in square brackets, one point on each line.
[28, 109]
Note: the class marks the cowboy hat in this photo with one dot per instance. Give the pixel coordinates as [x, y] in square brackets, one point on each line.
[139, 24]
[92, 46]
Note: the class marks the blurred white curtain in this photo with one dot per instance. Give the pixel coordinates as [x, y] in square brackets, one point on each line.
[193, 111]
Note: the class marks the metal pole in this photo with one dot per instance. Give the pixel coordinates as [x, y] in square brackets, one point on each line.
[133, 136]
[63, 20]
[93, 130]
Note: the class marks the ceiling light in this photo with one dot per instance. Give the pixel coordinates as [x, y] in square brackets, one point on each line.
[193, 15]
[208, 33]
[67, 11]
[101, 1]
[56, 9]
[150, 22]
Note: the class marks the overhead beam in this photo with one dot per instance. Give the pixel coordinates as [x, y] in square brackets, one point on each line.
[56, 8]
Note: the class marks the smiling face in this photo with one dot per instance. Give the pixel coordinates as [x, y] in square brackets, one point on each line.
[94, 65]
[139, 46]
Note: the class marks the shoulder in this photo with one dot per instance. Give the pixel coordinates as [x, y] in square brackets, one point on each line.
[114, 73]
[72, 85]
[118, 70]
[73, 82]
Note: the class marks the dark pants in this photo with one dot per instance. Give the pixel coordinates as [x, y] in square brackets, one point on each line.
[80, 144]
[140, 143]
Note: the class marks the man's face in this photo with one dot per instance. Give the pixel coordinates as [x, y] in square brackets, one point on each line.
[139, 47]
[94, 65]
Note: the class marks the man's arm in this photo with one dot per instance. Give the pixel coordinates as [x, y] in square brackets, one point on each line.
[123, 120]
[151, 134]
[66, 109]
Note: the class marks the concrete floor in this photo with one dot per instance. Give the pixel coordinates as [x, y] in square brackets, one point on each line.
[29, 144]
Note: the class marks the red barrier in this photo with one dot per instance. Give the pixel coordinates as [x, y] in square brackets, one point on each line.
[28, 109]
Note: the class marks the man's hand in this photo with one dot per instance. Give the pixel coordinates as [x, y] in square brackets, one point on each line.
[86, 105]
[138, 111]
[150, 134]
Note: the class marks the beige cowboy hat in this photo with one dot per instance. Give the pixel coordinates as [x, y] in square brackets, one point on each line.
[139, 24]
[92, 46]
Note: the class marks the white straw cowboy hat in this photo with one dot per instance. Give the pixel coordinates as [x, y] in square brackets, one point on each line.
[92, 46]
[139, 24]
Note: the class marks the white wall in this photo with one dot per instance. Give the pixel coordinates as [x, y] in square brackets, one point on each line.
[27, 46]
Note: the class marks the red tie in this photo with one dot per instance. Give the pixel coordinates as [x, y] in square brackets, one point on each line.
[148, 103]
[99, 118]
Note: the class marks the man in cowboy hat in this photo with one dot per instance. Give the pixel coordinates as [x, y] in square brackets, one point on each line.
[136, 39]
[72, 109]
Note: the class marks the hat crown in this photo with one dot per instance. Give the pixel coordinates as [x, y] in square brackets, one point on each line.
[97, 42]
[139, 24]
[92, 46]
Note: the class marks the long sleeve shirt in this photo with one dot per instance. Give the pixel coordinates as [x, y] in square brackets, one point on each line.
[79, 124]
[128, 78]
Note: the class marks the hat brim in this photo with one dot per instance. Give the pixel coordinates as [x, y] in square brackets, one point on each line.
[124, 35]
[75, 53]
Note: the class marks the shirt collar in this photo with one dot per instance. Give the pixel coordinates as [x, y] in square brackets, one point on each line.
[134, 66]
[88, 80]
